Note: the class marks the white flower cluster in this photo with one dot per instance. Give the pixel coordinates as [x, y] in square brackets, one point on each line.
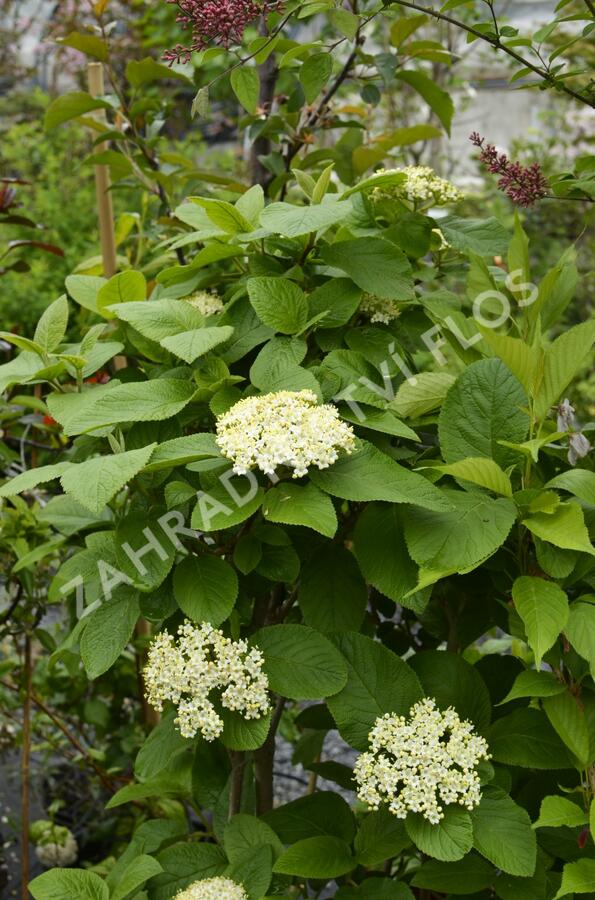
[57, 847]
[213, 889]
[287, 428]
[418, 763]
[205, 302]
[201, 661]
[379, 310]
[421, 185]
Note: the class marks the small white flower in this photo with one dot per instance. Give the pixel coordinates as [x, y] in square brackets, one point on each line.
[203, 660]
[287, 428]
[421, 185]
[205, 302]
[379, 310]
[213, 889]
[57, 848]
[417, 763]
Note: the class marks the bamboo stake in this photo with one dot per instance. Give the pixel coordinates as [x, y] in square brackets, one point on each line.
[25, 767]
[105, 208]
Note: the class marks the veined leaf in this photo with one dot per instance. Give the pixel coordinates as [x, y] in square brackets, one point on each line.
[543, 607]
[481, 471]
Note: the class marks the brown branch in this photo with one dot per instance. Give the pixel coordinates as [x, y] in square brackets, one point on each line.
[238, 763]
[264, 759]
[498, 45]
[314, 116]
[268, 74]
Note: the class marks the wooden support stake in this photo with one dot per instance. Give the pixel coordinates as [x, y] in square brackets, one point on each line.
[103, 182]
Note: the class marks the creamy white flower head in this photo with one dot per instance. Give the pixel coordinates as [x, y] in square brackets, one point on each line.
[421, 185]
[379, 310]
[60, 849]
[200, 662]
[213, 889]
[418, 763]
[287, 428]
[205, 302]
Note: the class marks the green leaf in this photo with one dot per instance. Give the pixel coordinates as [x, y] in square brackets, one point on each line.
[332, 594]
[189, 345]
[469, 875]
[158, 319]
[107, 632]
[279, 303]
[26, 481]
[483, 407]
[161, 746]
[293, 504]
[244, 734]
[145, 550]
[368, 474]
[452, 681]
[135, 875]
[438, 100]
[246, 86]
[225, 215]
[315, 815]
[63, 884]
[564, 528]
[243, 833]
[563, 359]
[345, 22]
[525, 738]
[577, 878]
[380, 836]
[523, 360]
[481, 471]
[125, 287]
[502, 833]
[183, 864]
[378, 682]
[147, 70]
[580, 630]
[294, 221]
[205, 588]
[533, 684]
[375, 265]
[556, 811]
[97, 481]
[485, 237]
[423, 394]
[461, 538]
[300, 663]
[543, 607]
[580, 482]
[183, 450]
[51, 327]
[449, 840]
[338, 299]
[84, 289]
[89, 44]
[381, 551]
[570, 722]
[200, 103]
[71, 106]
[140, 401]
[217, 508]
[254, 870]
[316, 857]
[314, 74]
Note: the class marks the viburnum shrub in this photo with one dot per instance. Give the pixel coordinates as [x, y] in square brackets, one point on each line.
[333, 484]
